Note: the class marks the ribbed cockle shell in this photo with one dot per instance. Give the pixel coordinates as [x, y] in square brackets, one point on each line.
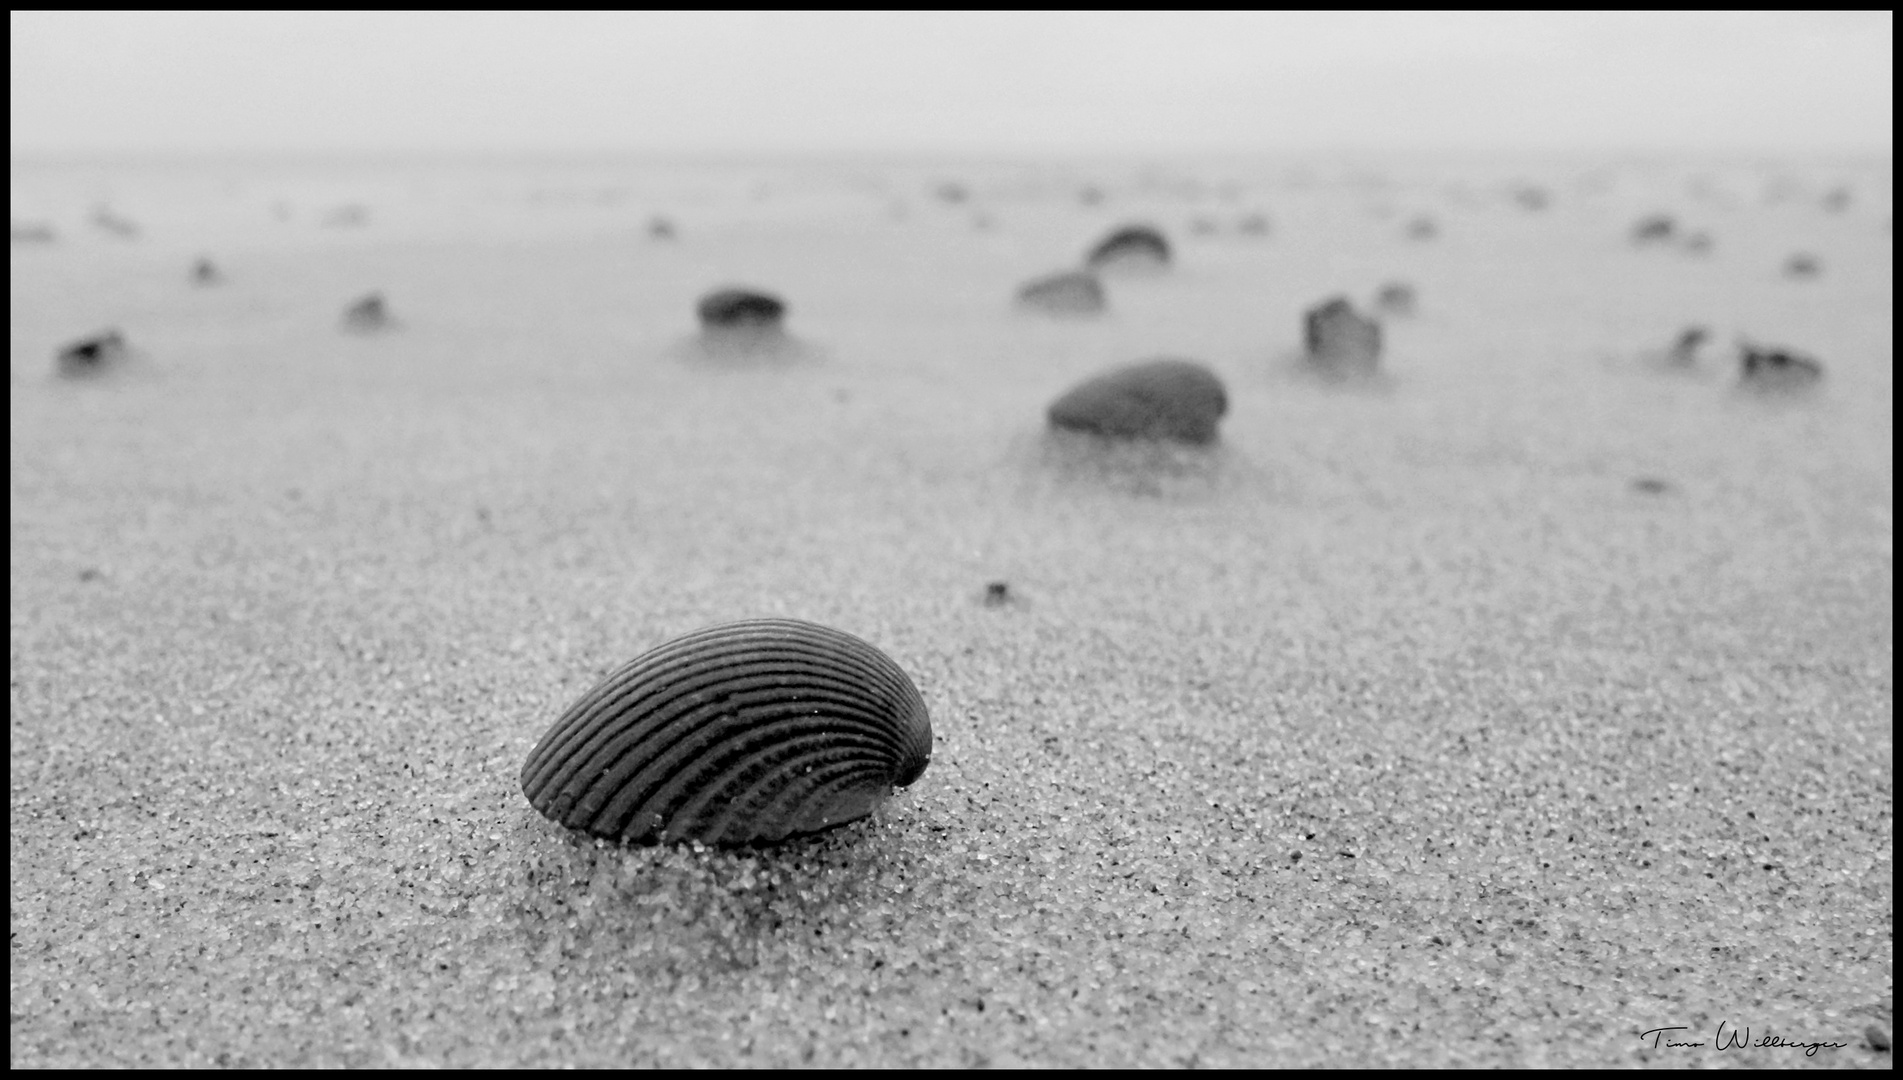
[748, 732]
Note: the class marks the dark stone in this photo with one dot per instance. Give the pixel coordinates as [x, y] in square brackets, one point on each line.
[93, 355]
[1878, 1037]
[1395, 298]
[953, 192]
[1070, 292]
[1531, 197]
[997, 594]
[1654, 228]
[1772, 368]
[1684, 351]
[660, 228]
[205, 272]
[1164, 399]
[368, 314]
[735, 309]
[1131, 245]
[1803, 265]
[1651, 485]
[1339, 340]
[1422, 228]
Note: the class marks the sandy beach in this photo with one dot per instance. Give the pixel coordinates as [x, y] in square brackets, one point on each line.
[1497, 711]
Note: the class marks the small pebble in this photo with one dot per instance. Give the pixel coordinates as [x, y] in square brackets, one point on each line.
[1802, 265]
[997, 594]
[1654, 227]
[90, 356]
[1878, 1037]
[368, 314]
[1339, 340]
[1771, 367]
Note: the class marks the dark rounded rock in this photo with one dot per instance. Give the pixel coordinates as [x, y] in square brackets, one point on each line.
[661, 228]
[205, 272]
[1165, 399]
[1774, 368]
[1070, 292]
[1340, 340]
[92, 355]
[368, 314]
[1131, 245]
[737, 308]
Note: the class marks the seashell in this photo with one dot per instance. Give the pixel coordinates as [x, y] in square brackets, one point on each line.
[735, 309]
[1772, 368]
[1340, 341]
[368, 315]
[92, 355]
[1072, 292]
[748, 732]
[1132, 245]
[1178, 400]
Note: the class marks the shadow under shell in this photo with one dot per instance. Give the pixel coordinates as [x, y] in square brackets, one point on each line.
[744, 733]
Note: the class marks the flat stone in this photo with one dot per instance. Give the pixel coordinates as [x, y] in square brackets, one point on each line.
[1070, 292]
[738, 308]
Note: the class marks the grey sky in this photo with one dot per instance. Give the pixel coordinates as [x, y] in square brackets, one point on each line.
[1017, 83]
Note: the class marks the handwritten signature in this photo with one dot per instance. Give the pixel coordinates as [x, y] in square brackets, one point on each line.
[1732, 1040]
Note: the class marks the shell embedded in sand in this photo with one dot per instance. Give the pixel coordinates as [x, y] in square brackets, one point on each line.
[740, 308]
[1178, 400]
[748, 732]
[1131, 245]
